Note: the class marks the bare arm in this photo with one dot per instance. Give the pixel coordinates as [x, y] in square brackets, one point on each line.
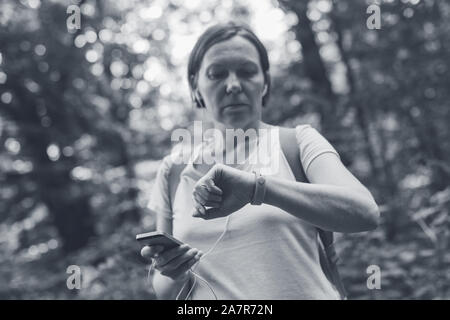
[333, 200]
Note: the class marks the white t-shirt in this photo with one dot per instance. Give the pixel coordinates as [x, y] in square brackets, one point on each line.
[265, 253]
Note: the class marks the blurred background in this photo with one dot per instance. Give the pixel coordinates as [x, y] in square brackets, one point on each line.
[86, 115]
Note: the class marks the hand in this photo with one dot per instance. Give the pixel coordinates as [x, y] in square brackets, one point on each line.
[173, 263]
[223, 188]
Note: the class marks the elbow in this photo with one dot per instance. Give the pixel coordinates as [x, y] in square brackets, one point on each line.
[372, 217]
[369, 213]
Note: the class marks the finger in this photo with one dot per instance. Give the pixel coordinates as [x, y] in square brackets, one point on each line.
[168, 255]
[165, 257]
[205, 202]
[208, 195]
[149, 252]
[176, 262]
[203, 191]
[182, 269]
[196, 214]
[199, 210]
[212, 187]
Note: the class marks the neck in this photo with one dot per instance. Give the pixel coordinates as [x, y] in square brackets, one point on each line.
[252, 131]
[256, 125]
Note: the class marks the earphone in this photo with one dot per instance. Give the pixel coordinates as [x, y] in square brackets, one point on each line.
[198, 99]
[265, 90]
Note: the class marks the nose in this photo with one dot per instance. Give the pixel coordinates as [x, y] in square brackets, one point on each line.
[233, 85]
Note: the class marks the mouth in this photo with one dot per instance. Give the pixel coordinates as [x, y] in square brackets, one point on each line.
[235, 106]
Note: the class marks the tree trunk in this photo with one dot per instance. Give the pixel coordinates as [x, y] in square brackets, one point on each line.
[314, 66]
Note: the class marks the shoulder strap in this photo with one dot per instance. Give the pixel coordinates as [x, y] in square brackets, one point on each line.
[327, 253]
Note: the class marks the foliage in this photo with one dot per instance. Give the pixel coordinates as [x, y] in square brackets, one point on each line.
[86, 114]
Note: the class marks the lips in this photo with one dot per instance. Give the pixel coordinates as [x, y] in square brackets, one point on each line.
[235, 106]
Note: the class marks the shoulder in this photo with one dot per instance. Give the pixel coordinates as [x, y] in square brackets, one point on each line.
[168, 162]
[303, 131]
[299, 129]
[305, 134]
[165, 166]
[312, 144]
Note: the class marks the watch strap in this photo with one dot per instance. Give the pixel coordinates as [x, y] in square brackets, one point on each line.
[259, 190]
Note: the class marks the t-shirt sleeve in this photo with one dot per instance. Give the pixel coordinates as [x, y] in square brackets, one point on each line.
[312, 144]
[159, 197]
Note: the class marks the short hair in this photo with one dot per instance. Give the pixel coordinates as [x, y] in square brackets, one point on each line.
[221, 32]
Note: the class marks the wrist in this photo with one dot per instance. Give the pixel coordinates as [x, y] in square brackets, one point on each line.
[259, 189]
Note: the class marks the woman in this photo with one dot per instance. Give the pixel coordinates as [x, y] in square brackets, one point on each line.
[268, 250]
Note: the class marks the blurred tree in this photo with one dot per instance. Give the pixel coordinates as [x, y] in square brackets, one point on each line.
[38, 110]
[85, 115]
[64, 116]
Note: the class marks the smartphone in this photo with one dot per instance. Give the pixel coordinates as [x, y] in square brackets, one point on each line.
[158, 238]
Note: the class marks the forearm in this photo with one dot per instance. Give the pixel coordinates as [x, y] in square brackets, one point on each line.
[329, 207]
[168, 289]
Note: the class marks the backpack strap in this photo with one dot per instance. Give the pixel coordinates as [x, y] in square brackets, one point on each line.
[327, 253]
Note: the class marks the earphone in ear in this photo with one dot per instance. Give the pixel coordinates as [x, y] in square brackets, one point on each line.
[264, 93]
[197, 94]
[199, 99]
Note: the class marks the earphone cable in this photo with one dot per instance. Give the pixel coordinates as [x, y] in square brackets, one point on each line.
[208, 252]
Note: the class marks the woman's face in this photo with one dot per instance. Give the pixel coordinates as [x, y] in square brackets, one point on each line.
[231, 83]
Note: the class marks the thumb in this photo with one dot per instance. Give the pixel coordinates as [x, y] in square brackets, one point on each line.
[149, 252]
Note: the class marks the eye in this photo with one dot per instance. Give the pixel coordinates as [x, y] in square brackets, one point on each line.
[247, 71]
[217, 73]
